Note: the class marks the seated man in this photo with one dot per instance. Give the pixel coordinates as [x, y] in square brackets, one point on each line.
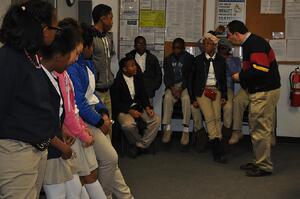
[149, 66]
[177, 68]
[131, 107]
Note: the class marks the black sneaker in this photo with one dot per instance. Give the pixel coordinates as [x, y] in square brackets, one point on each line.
[248, 166]
[257, 172]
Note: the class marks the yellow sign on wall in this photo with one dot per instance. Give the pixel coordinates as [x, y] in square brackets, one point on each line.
[152, 18]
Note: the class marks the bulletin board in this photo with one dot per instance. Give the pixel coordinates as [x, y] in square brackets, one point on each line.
[265, 24]
[188, 43]
[145, 18]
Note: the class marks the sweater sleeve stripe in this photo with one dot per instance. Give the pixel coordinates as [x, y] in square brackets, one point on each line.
[260, 68]
[260, 58]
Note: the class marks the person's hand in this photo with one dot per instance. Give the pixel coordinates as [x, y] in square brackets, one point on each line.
[223, 101]
[69, 140]
[134, 113]
[105, 117]
[91, 142]
[149, 111]
[106, 127]
[195, 104]
[236, 77]
[67, 152]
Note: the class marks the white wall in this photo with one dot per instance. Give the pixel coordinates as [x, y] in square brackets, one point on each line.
[288, 117]
[63, 10]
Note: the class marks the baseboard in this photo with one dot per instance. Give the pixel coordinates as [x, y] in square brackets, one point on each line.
[279, 139]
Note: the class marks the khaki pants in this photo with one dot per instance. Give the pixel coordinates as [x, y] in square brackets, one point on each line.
[105, 98]
[22, 170]
[168, 105]
[212, 114]
[197, 118]
[240, 103]
[131, 131]
[109, 174]
[228, 109]
[261, 118]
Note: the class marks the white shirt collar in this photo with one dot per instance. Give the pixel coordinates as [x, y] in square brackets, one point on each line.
[247, 36]
[208, 57]
[127, 78]
[141, 56]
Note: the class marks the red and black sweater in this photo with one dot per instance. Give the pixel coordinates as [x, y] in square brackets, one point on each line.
[260, 69]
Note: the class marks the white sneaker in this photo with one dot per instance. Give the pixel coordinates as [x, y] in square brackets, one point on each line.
[166, 136]
[235, 138]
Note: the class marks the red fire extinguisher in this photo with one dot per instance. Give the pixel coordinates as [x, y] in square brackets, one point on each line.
[295, 87]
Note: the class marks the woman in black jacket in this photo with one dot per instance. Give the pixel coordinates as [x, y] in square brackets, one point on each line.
[27, 117]
[209, 91]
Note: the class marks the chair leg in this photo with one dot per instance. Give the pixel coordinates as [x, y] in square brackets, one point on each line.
[154, 143]
[123, 147]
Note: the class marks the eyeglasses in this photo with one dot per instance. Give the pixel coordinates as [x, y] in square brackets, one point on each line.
[57, 29]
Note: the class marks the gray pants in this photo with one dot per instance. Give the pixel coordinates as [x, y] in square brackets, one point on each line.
[109, 173]
[131, 131]
[169, 102]
[22, 170]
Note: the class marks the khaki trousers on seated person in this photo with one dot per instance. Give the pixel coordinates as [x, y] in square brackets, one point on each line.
[131, 130]
[109, 173]
[168, 105]
[197, 118]
[211, 110]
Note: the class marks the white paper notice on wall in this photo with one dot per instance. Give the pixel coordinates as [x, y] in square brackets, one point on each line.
[271, 6]
[293, 52]
[292, 28]
[279, 47]
[128, 29]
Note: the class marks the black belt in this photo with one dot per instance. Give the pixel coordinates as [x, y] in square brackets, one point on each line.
[102, 90]
[43, 145]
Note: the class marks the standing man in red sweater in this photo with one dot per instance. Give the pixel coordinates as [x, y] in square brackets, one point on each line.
[260, 78]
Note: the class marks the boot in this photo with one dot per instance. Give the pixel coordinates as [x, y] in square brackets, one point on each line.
[185, 138]
[218, 151]
[132, 151]
[226, 133]
[200, 140]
